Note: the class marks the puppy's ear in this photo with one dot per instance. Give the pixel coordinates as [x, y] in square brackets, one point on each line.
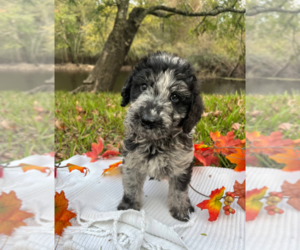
[126, 91]
[194, 115]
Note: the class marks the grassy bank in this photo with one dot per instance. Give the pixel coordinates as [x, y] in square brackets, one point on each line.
[82, 118]
[26, 124]
[267, 114]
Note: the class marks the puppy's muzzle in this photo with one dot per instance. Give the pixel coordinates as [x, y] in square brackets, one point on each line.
[150, 121]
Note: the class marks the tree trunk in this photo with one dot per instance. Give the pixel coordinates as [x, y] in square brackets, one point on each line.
[112, 57]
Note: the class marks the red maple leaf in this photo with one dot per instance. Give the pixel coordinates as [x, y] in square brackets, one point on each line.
[109, 153]
[268, 145]
[251, 159]
[83, 170]
[225, 144]
[213, 204]
[205, 155]
[97, 149]
[11, 216]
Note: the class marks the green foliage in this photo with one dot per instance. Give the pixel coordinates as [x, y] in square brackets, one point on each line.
[273, 37]
[27, 30]
[220, 39]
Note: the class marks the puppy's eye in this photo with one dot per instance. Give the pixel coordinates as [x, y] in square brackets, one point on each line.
[174, 98]
[143, 87]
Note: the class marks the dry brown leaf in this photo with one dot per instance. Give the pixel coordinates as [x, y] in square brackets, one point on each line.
[236, 126]
[285, 126]
[79, 109]
[95, 112]
[39, 109]
[59, 126]
[217, 113]
[58, 156]
[111, 147]
[256, 113]
[79, 118]
[38, 118]
[206, 114]
[241, 102]
[7, 126]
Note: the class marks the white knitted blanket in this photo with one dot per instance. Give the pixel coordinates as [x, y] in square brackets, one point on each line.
[99, 225]
[95, 199]
[36, 191]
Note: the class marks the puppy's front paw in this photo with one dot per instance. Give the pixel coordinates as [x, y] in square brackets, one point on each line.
[182, 213]
[128, 203]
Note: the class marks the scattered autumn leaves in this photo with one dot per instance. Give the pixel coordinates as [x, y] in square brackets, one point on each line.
[254, 197]
[232, 149]
[97, 149]
[282, 151]
[214, 204]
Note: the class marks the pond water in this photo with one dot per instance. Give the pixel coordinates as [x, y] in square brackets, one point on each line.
[272, 86]
[70, 80]
[23, 81]
[65, 80]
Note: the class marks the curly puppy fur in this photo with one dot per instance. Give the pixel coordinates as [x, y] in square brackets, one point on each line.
[165, 106]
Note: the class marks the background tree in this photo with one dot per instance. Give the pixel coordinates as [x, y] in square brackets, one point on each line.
[126, 26]
[273, 39]
[26, 31]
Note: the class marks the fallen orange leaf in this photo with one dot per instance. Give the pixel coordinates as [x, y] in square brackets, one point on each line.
[62, 214]
[112, 167]
[239, 159]
[11, 216]
[291, 159]
[83, 170]
[27, 167]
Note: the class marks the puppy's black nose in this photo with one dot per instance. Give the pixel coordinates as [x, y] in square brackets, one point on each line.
[149, 121]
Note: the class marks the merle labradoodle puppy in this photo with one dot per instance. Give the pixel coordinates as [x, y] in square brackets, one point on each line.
[165, 106]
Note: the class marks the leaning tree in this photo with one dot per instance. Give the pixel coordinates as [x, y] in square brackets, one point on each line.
[107, 67]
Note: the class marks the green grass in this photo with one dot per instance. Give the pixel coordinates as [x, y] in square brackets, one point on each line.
[102, 116]
[26, 124]
[275, 110]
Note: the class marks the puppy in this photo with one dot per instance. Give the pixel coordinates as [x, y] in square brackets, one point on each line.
[165, 106]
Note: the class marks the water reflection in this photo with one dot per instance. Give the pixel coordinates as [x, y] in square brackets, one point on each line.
[70, 80]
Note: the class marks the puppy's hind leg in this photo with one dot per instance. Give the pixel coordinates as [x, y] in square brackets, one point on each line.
[178, 198]
[133, 182]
